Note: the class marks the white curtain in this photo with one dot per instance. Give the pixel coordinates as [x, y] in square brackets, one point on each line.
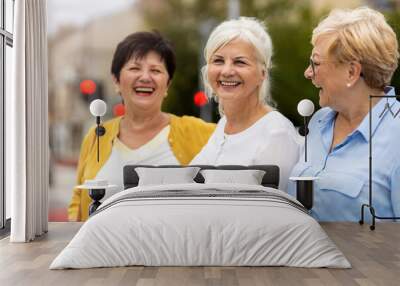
[27, 146]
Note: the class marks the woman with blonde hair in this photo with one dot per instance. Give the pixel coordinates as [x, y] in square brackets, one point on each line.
[355, 54]
[238, 59]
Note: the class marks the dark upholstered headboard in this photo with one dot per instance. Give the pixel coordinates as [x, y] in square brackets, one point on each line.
[270, 179]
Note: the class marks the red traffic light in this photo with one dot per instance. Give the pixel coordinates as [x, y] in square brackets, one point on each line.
[118, 109]
[87, 87]
[200, 99]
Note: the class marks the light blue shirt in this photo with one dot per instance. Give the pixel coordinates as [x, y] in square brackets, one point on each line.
[343, 182]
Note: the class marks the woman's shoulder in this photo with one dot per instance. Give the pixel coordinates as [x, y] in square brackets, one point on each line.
[184, 122]
[113, 122]
[322, 113]
[111, 126]
[276, 121]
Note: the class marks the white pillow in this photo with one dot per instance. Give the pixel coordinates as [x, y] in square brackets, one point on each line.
[248, 177]
[164, 176]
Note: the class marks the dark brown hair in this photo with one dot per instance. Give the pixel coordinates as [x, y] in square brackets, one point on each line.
[138, 45]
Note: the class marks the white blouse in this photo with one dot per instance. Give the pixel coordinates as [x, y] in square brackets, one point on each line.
[270, 140]
[155, 152]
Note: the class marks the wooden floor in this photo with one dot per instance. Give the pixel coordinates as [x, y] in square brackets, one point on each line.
[374, 255]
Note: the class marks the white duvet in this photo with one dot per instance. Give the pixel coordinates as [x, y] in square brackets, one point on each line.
[210, 229]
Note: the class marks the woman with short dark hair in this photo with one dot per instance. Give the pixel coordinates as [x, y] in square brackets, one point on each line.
[142, 69]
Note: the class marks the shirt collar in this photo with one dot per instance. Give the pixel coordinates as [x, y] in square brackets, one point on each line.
[379, 111]
[327, 118]
[363, 128]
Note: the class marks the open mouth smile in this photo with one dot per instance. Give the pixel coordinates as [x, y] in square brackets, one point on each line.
[144, 91]
[229, 83]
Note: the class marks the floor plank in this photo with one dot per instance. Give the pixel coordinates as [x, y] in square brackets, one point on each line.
[374, 255]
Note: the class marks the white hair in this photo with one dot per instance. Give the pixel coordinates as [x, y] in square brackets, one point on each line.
[250, 30]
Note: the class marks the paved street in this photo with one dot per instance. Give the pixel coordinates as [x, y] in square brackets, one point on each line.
[60, 192]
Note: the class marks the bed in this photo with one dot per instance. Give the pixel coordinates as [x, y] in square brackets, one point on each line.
[202, 222]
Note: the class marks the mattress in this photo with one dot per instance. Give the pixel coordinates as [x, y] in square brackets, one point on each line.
[201, 225]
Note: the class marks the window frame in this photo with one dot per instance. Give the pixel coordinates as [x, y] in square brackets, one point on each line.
[6, 39]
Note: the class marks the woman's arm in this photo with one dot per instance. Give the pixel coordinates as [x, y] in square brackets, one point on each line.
[188, 135]
[395, 191]
[75, 204]
[282, 149]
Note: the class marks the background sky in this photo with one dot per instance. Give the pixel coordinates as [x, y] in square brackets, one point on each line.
[78, 12]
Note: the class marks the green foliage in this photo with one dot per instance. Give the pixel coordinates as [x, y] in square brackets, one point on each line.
[290, 25]
[393, 18]
[179, 21]
[289, 22]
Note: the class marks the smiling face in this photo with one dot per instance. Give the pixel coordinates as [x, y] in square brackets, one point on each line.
[234, 72]
[143, 82]
[329, 76]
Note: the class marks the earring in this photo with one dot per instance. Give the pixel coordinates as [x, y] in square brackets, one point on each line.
[215, 97]
[348, 84]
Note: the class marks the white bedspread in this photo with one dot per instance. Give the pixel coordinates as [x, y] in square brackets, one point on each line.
[200, 230]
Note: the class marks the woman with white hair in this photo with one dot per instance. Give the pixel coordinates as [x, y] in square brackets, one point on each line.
[250, 132]
[355, 53]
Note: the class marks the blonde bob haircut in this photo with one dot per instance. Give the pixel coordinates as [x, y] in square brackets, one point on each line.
[250, 30]
[364, 36]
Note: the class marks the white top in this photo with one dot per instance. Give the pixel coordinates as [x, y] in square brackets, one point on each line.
[155, 152]
[270, 140]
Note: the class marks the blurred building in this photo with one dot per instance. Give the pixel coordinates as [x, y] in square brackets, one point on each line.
[377, 4]
[75, 54]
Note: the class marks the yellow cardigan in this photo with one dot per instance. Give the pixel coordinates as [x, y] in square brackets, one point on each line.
[186, 137]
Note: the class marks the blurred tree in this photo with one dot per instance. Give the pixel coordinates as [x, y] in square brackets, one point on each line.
[290, 25]
[179, 21]
[289, 22]
[393, 17]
